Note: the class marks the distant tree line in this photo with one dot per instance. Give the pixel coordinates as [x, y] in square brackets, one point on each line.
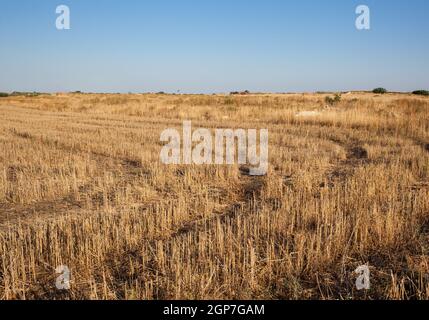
[18, 94]
[421, 92]
[243, 93]
[417, 92]
[329, 100]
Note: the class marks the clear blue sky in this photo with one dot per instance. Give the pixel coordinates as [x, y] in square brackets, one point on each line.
[213, 46]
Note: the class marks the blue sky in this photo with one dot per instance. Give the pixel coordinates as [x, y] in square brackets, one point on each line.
[213, 46]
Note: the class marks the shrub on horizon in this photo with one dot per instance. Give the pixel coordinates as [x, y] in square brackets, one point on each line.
[421, 92]
[379, 91]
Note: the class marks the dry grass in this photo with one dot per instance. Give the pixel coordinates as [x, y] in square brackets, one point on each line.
[81, 185]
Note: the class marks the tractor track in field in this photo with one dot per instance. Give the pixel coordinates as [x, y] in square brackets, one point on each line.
[250, 191]
[341, 170]
[11, 212]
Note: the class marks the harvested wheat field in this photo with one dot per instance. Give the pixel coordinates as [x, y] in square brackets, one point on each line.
[82, 185]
